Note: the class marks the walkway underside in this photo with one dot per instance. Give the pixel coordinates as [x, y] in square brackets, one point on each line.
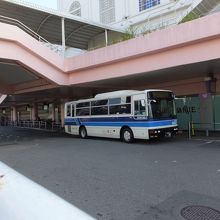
[173, 58]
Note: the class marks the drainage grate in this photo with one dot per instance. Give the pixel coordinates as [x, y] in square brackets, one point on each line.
[200, 213]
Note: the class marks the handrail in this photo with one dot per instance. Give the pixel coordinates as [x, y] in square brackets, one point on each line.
[23, 26]
[29, 31]
[164, 9]
[148, 27]
[43, 125]
[171, 20]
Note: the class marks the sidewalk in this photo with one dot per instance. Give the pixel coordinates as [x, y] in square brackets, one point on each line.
[200, 135]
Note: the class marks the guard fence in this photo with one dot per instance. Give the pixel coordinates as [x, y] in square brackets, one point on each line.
[43, 125]
[15, 22]
[203, 130]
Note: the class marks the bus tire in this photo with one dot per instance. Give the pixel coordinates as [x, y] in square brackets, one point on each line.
[127, 135]
[83, 132]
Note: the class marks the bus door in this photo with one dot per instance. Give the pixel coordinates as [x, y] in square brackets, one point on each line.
[140, 107]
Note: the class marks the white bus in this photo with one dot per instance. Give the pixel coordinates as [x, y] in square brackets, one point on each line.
[126, 114]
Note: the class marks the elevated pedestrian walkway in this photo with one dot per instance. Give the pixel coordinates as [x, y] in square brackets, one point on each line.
[31, 66]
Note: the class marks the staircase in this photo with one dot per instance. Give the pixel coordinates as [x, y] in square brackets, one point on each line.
[205, 7]
[180, 11]
[29, 31]
[2, 98]
[199, 9]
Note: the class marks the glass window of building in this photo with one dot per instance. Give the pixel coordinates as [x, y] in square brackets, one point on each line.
[107, 11]
[145, 4]
[75, 8]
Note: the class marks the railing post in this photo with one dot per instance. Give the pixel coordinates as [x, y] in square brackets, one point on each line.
[63, 36]
[106, 37]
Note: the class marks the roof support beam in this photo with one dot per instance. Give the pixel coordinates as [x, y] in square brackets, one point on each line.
[43, 21]
[76, 30]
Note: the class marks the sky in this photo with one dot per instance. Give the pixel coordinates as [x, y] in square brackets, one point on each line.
[48, 3]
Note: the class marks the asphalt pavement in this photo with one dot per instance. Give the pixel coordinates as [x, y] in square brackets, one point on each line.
[111, 180]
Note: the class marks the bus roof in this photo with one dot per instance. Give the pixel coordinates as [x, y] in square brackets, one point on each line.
[116, 93]
[119, 93]
[125, 93]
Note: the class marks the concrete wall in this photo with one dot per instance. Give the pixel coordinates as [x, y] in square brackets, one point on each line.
[89, 8]
[124, 9]
[128, 16]
[202, 110]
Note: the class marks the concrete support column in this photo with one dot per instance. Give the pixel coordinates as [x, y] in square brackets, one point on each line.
[13, 113]
[62, 114]
[34, 112]
[18, 116]
[56, 114]
[52, 111]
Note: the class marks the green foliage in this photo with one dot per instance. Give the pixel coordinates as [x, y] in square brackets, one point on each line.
[115, 41]
[129, 34]
[189, 17]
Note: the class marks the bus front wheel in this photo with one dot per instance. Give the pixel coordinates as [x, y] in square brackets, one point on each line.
[83, 132]
[127, 135]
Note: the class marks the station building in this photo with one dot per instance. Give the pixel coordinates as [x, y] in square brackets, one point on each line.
[49, 57]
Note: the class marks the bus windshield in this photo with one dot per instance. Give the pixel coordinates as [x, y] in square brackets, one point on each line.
[161, 105]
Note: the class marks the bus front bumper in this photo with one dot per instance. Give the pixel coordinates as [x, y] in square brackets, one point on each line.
[163, 132]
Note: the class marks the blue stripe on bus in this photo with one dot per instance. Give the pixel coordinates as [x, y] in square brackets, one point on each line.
[118, 122]
[112, 119]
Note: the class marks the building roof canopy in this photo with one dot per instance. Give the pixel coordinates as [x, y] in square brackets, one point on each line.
[47, 23]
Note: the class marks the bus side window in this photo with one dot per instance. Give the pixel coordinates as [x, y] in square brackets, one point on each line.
[73, 111]
[128, 99]
[115, 101]
[103, 110]
[68, 110]
[139, 107]
[82, 111]
[120, 109]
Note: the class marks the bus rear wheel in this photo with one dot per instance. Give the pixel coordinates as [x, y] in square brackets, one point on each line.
[83, 132]
[127, 135]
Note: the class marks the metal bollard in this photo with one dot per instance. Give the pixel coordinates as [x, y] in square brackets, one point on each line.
[189, 130]
[207, 132]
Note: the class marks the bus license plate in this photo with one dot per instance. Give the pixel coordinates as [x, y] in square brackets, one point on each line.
[168, 134]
